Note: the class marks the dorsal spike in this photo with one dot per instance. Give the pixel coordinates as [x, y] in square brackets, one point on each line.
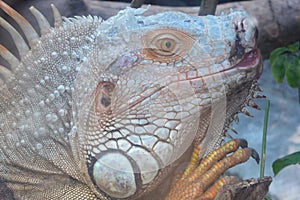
[9, 57]
[253, 104]
[17, 38]
[232, 128]
[41, 19]
[5, 73]
[246, 112]
[236, 118]
[57, 16]
[257, 96]
[26, 27]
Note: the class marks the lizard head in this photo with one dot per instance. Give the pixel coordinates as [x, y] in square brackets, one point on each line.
[157, 84]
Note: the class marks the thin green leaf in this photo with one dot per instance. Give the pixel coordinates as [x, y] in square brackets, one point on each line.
[279, 68]
[278, 52]
[293, 73]
[294, 47]
[281, 163]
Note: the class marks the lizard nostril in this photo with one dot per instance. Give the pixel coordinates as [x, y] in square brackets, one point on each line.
[242, 25]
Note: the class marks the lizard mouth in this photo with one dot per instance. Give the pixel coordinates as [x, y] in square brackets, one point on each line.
[250, 59]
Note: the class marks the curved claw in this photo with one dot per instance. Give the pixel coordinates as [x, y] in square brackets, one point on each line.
[255, 155]
[243, 143]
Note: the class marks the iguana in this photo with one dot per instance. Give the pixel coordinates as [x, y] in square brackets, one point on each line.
[97, 109]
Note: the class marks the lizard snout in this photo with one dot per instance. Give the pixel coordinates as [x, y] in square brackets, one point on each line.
[246, 38]
[246, 33]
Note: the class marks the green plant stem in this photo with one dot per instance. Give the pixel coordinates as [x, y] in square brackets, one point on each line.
[264, 141]
[299, 95]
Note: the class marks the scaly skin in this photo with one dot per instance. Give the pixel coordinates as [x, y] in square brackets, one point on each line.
[106, 109]
[202, 178]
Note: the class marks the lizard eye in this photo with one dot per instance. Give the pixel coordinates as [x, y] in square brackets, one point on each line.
[167, 44]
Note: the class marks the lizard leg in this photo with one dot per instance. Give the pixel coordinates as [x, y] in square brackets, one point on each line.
[212, 192]
[197, 178]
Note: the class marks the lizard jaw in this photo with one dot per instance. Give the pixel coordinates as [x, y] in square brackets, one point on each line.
[251, 59]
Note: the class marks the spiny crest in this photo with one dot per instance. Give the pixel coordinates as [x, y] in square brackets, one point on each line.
[30, 34]
[34, 62]
[248, 102]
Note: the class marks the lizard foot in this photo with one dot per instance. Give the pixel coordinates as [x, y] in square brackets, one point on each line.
[202, 179]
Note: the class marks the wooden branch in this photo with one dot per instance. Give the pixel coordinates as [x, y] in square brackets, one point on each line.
[137, 3]
[247, 190]
[208, 7]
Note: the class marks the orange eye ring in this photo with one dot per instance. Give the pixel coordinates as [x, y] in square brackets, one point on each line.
[167, 44]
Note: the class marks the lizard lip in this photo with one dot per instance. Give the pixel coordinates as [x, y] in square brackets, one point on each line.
[250, 59]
